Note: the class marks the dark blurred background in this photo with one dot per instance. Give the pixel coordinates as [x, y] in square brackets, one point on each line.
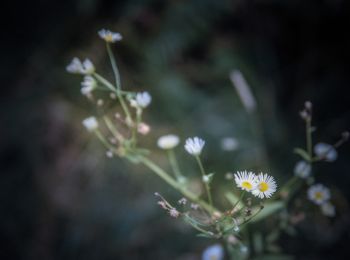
[61, 198]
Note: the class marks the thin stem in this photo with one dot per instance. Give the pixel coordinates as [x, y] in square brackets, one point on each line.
[175, 165]
[112, 129]
[196, 227]
[136, 126]
[117, 82]
[102, 139]
[240, 199]
[168, 179]
[207, 187]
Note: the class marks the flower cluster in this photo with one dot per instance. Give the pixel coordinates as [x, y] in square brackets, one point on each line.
[262, 185]
[120, 134]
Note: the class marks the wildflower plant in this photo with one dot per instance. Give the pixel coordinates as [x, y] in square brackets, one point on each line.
[253, 197]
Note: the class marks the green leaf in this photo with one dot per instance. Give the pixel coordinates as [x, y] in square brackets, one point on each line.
[232, 198]
[303, 154]
[268, 210]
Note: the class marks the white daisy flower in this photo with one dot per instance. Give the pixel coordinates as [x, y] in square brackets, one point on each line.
[318, 194]
[266, 186]
[88, 85]
[246, 181]
[229, 144]
[302, 169]
[214, 252]
[75, 66]
[142, 100]
[168, 141]
[326, 152]
[90, 123]
[109, 36]
[328, 209]
[194, 145]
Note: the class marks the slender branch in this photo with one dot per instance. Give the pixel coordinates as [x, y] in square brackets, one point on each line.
[175, 165]
[168, 179]
[117, 82]
[207, 187]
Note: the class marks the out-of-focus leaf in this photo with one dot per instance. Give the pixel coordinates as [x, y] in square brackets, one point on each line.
[268, 210]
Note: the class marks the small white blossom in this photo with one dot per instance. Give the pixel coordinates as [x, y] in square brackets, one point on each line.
[266, 186]
[328, 209]
[109, 154]
[182, 201]
[194, 145]
[194, 206]
[167, 142]
[88, 67]
[229, 144]
[141, 100]
[214, 252]
[319, 194]
[75, 66]
[109, 36]
[302, 169]
[88, 85]
[326, 152]
[206, 179]
[90, 123]
[246, 180]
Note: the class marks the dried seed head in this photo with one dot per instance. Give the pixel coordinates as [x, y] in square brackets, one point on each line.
[162, 204]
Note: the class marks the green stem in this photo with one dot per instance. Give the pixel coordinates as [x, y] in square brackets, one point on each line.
[207, 187]
[112, 129]
[102, 139]
[189, 220]
[175, 165]
[240, 199]
[168, 179]
[118, 83]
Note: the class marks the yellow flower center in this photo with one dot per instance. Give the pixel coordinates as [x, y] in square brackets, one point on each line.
[263, 186]
[109, 38]
[318, 195]
[247, 185]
